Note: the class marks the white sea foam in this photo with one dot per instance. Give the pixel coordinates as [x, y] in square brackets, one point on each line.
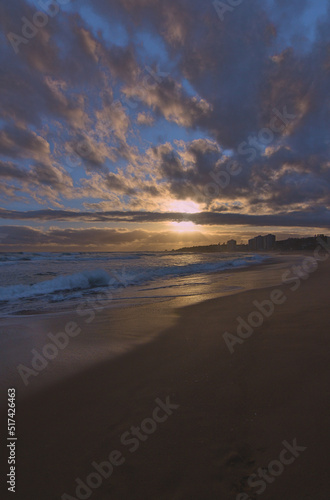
[35, 281]
[79, 281]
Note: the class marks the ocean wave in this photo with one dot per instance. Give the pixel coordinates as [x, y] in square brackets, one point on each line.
[79, 281]
[13, 258]
[70, 286]
[199, 268]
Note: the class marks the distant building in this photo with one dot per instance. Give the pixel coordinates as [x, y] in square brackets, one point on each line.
[231, 245]
[252, 244]
[262, 242]
[259, 243]
[269, 242]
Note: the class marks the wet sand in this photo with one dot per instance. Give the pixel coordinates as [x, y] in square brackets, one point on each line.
[234, 411]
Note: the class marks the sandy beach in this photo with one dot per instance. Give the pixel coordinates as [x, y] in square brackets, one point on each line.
[207, 418]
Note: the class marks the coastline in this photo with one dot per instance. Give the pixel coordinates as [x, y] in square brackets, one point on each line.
[108, 332]
[235, 410]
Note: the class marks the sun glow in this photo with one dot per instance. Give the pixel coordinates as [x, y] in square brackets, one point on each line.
[183, 206]
[183, 227]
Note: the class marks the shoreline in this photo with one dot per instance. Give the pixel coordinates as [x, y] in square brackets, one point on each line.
[105, 333]
[117, 295]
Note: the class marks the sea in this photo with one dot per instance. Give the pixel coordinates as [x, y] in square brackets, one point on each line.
[36, 283]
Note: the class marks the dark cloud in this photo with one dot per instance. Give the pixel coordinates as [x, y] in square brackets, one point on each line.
[28, 238]
[20, 142]
[119, 184]
[42, 180]
[15, 235]
[318, 218]
[11, 171]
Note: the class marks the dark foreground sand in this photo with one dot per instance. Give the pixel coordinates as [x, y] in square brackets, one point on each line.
[235, 410]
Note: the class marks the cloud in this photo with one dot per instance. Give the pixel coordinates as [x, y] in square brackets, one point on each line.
[145, 119]
[28, 238]
[158, 117]
[42, 181]
[22, 143]
[318, 218]
[168, 98]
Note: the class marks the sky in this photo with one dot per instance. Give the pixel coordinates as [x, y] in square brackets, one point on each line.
[153, 124]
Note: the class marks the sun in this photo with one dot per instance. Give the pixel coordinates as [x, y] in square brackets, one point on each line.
[183, 207]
